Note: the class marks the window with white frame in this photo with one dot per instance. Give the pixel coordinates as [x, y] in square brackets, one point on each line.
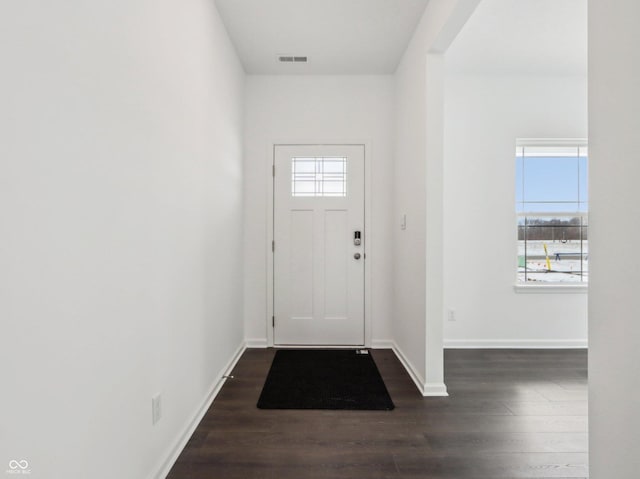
[552, 207]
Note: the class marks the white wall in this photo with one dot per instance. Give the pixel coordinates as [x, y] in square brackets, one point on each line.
[121, 228]
[417, 311]
[483, 117]
[307, 109]
[409, 282]
[614, 302]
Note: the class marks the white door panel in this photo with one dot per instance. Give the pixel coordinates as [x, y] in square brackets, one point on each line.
[318, 282]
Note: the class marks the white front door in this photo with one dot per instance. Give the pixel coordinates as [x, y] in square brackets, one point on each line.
[319, 245]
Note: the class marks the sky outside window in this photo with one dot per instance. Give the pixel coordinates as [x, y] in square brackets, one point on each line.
[551, 183]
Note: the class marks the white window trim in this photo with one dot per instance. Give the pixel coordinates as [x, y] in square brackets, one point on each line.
[577, 142]
[551, 288]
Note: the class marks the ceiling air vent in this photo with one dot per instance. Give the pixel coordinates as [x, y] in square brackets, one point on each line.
[291, 59]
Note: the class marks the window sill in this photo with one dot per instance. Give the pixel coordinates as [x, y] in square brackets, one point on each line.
[551, 288]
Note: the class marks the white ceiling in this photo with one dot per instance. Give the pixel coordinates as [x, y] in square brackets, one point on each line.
[547, 37]
[337, 36]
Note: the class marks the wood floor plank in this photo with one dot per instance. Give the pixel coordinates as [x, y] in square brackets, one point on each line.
[549, 408]
[510, 414]
[493, 466]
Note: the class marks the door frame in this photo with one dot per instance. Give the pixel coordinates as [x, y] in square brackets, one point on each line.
[270, 159]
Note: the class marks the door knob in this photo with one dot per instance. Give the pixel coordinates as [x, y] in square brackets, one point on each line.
[356, 256]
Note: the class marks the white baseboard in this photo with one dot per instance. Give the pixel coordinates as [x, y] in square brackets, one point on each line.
[434, 389]
[426, 389]
[256, 343]
[381, 344]
[182, 440]
[515, 343]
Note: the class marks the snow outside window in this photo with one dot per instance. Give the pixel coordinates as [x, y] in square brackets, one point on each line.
[552, 209]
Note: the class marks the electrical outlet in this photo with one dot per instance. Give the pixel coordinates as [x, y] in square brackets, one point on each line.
[451, 314]
[156, 408]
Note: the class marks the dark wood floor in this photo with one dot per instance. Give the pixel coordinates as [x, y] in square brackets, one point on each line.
[510, 414]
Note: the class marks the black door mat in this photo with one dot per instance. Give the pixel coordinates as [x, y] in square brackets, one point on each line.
[324, 379]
